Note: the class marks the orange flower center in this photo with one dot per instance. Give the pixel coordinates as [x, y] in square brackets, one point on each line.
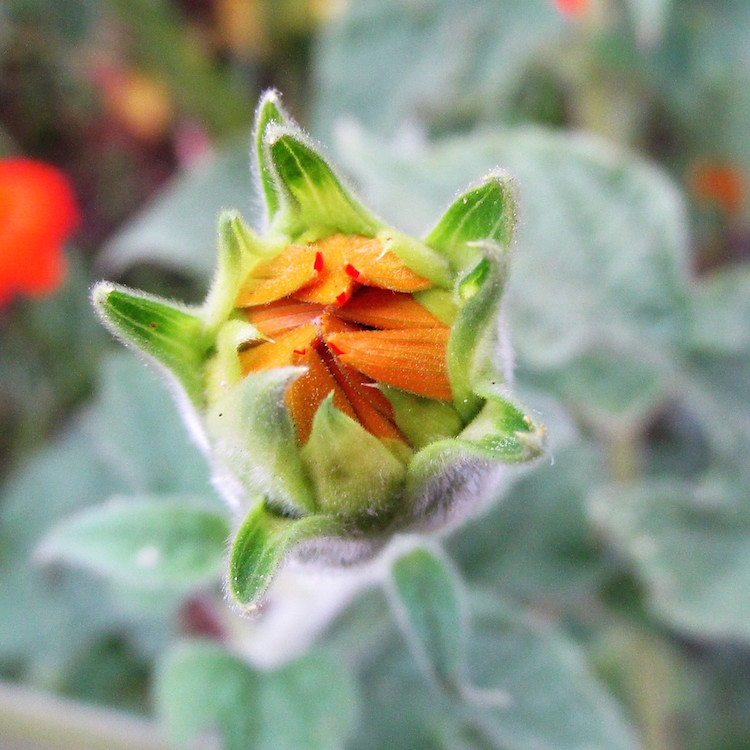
[344, 308]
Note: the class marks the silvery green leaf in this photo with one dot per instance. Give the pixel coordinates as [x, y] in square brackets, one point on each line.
[427, 601]
[202, 689]
[143, 542]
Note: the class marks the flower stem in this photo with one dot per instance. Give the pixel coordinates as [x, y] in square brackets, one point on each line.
[40, 721]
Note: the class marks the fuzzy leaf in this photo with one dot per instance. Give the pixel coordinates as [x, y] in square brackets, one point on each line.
[429, 610]
[309, 703]
[143, 542]
[173, 336]
[261, 546]
[720, 312]
[533, 690]
[200, 687]
[442, 64]
[691, 545]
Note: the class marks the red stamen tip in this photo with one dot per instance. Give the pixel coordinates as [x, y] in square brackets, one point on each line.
[318, 264]
[335, 349]
[301, 352]
[342, 299]
[351, 271]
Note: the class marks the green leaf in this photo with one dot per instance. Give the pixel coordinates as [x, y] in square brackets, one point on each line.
[173, 336]
[428, 605]
[143, 542]
[200, 687]
[316, 201]
[533, 690]
[254, 439]
[716, 389]
[650, 18]
[353, 472]
[324, 700]
[309, 703]
[536, 541]
[720, 312]
[690, 543]
[445, 64]
[129, 441]
[260, 548]
[611, 387]
[484, 213]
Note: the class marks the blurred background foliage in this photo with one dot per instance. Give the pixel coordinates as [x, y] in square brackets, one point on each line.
[609, 588]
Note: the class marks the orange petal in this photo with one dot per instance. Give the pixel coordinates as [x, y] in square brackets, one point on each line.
[280, 352]
[295, 268]
[382, 308]
[373, 409]
[309, 390]
[333, 324]
[371, 264]
[281, 316]
[412, 359]
[332, 284]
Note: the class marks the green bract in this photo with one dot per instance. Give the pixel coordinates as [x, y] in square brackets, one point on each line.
[342, 490]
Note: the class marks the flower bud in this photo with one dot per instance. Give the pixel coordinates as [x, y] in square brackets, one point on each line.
[343, 378]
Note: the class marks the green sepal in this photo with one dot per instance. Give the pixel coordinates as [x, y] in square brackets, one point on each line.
[484, 213]
[444, 472]
[474, 343]
[171, 334]
[261, 546]
[313, 197]
[237, 245]
[223, 370]
[269, 110]
[353, 472]
[423, 420]
[503, 431]
[254, 439]
[440, 302]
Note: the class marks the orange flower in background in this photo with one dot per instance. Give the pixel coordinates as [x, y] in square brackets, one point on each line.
[719, 184]
[572, 7]
[38, 212]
